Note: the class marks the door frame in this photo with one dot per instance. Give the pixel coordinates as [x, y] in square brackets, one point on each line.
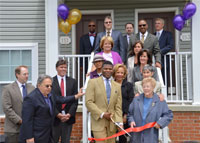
[157, 10]
[89, 12]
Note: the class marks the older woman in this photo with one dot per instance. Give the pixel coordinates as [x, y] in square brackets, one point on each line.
[148, 108]
[106, 45]
[144, 58]
[38, 112]
[133, 59]
[119, 74]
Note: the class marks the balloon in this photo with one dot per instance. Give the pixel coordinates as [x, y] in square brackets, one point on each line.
[63, 11]
[189, 10]
[178, 22]
[65, 26]
[74, 16]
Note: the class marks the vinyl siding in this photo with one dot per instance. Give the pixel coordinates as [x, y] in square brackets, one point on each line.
[23, 21]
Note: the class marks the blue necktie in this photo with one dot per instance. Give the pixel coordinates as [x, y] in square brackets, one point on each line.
[24, 91]
[108, 90]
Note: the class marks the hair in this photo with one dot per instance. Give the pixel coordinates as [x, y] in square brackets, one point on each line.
[117, 66]
[42, 77]
[132, 51]
[61, 62]
[18, 69]
[150, 80]
[160, 19]
[129, 23]
[148, 67]
[107, 63]
[148, 55]
[142, 20]
[104, 38]
[108, 17]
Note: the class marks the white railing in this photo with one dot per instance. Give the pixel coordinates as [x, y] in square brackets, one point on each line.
[179, 77]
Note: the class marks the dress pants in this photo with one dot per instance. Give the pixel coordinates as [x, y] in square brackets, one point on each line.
[64, 130]
[11, 137]
[105, 133]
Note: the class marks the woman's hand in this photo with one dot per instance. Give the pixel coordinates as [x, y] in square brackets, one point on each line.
[137, 94]
[133, 124]
[157, 126]
[162, 97]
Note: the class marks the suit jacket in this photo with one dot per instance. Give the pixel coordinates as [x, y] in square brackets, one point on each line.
[12, 106]
[132, 41]
[71, 90]
[119, 43]
[85, 45]
[96, 103]
[139, 89]
[37, 118]
[166, 43]
[157, 112]
[150, 43]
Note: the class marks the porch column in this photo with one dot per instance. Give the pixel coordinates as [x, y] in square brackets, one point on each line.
[51, 36]
[196, 53]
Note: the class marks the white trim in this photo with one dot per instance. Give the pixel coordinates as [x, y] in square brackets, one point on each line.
[89, 12]
[157, 10]
[25, 46]
[195, 53]
[51, 22]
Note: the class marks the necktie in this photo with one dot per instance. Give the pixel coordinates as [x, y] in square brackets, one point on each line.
[142, 40]
[24, 90]
[158, 35]
[108, 33]
[128, 39]
[92, 34]
[62, 91]
[108, 90]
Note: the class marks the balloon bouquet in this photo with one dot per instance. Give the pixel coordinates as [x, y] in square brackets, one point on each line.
[188, 11]
[67, 18]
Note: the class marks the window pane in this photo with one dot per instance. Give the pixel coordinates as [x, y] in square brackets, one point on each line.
[15, 57]
[26, 57]
[4, 57]
[4, 73]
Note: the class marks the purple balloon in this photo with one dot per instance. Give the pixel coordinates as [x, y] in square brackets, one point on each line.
[63, 11]
[178, 22]
[189, 10]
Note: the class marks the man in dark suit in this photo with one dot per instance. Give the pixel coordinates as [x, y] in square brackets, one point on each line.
[12, 98]
[149, 40]
[166, 42]
[65, 114]
[119, 42]
[38, 112]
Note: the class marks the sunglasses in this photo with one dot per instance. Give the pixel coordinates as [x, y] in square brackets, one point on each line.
[142, 25]
[91, 25]
[47, 86]
[108, 22]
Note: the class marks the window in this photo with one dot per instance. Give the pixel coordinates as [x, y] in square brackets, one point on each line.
[13, 55]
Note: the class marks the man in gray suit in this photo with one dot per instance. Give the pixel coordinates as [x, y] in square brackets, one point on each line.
[119, 43]
[149, 40]
[12, 98]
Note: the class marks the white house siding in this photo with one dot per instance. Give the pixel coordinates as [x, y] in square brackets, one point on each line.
[23, 21]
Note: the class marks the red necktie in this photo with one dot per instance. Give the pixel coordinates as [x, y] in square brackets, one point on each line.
[62, 91]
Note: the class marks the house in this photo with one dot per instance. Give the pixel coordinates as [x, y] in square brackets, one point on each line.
[29, 35]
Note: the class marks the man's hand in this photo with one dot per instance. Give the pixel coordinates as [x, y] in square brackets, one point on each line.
[20, 122]
[162, 97]
[30, 140]
[157, 126]
[158, 65]
[107, 115]
[133, 124]
[124, 118]
[80, 94]
[121, 127]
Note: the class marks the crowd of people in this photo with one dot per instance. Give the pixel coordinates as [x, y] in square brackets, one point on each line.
[123, 89]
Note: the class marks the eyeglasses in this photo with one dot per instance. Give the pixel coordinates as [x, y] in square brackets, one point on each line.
[91, 25]
[48, 86]
[142, 25]
[109, 22]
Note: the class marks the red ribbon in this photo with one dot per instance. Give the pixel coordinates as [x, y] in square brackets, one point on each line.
[136, 129]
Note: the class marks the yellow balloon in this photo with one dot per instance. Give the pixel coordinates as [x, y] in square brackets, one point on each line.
[65, 26]
[74, 16]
